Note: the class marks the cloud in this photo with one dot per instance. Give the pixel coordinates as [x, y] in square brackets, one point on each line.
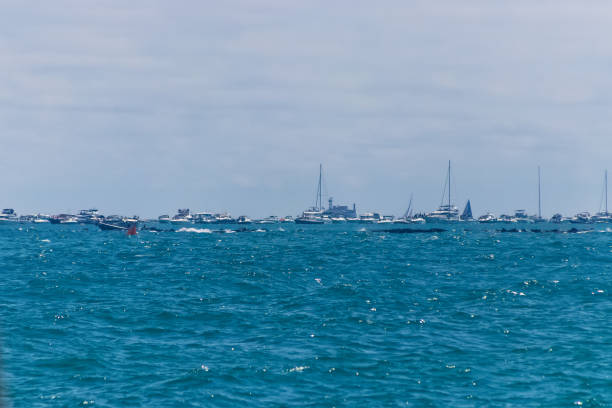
[233, 105]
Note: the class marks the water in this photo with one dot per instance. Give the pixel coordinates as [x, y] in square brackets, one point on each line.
[309, 316]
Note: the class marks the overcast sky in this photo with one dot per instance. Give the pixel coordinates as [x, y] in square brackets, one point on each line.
[147, 106]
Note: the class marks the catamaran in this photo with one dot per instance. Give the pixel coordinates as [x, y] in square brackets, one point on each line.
[446, 212]
[314, 215]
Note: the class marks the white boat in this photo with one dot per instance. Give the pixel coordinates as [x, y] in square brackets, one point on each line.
[487, 218]
[243, 219]
[581, 218]
[8, 215]
[69, 220]
[446, 212]
[338, 220]
[604, 216]
[164, 219]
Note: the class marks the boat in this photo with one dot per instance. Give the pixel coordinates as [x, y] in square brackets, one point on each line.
[40, 219]
[89, 216]
[557, 219]
[539, 217]
[111, 227]
[581, 218]
[370, 218]
[273, 219]
[287, 219]
[8, 215]
[386, 219]
[314, 215]
[243, 219]
[338, 220]
[224, 218]
[507, 219]
[69, 220]
[164, 219]
[604, 216]
[446, 212]
[467, 212]
[487, 218]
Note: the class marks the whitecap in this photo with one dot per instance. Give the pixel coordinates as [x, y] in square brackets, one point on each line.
[229, 231]
[196, 230]
[45, 240]
[260, 230]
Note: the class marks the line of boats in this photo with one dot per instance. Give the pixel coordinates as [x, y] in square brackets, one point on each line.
[317, 214]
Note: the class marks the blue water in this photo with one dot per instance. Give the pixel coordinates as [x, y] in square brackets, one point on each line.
[308, 316]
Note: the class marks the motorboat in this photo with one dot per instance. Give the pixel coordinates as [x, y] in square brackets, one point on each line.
[243, 219]
[164, 219]
[8, 215]
[487, 218]
[581, 218]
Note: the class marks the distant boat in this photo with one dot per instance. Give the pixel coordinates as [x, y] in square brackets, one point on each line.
[8, 215]
[243, 219]
[111, 227]
[487, 218]
[314, 215]
[164, 219]
[446, 212]
[604, 216]
[582, 218]
[467, 212]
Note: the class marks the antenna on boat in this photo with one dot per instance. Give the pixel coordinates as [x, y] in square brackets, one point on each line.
[539, 195]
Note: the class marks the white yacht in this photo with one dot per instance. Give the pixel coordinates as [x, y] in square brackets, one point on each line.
[446, 212]
[581, 218]
[164, 219]
[487, 218]
[8, 215]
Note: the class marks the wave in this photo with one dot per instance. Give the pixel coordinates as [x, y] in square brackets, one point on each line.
[196, 230]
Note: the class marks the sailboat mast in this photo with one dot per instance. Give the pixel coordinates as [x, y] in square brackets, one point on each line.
[319, 193]
[539, 195]
[449, 190]
[606, 184]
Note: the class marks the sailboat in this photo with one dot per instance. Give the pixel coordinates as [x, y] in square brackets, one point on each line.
[467, 212]
[314, 215]
[604, 216]
[446, 212]
[539, 217]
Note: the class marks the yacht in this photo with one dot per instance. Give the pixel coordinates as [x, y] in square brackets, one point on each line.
[557, 219]
[273, 219]
[243, 219]
[487, 218]
[40, 219]
[203, 218]
[164, 219]
[506, 219]
[369, 218]
[386, 219]
[90, 216]
[287, 219]
[69, 220]
[581, 218]
[8, 215]
[224, 218]
[311, 216]
[446, 212]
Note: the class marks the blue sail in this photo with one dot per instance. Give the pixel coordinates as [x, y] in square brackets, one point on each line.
[467, 212]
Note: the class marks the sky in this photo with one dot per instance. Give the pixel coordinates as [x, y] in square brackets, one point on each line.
[143, 107]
